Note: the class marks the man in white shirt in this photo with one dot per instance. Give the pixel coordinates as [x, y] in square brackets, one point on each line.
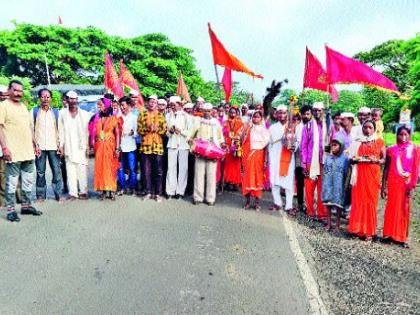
[44, 123]
[362, 115]
[179, 127]
[74, 145]
[128, 157]
[205, 169]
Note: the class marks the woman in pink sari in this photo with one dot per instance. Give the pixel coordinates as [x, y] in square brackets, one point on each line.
[398, 184]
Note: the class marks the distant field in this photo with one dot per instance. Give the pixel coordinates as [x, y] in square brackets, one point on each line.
[391, 139]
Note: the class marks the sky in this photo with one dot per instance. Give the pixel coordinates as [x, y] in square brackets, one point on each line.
[269, 36]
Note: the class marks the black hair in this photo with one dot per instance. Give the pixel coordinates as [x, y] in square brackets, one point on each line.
[15, 82]
[64, 96]
[337, 114]
[403, 127]
[305, 109]
[43, 90]
[109, 96]
[125, 99]
[108, 112]
[370, 121]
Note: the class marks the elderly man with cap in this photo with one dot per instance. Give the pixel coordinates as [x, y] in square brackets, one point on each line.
[179, 129]
[152, 126]
[74, 145]
[244, 113]
[18, 146]
[198, 108]
[45, 126]
[137, 102]
[347, 132]
[281, 161]
[363, 114]
[205, 169]
[314, 140]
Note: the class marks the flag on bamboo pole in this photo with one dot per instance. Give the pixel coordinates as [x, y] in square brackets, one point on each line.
[315, 76]
[127, 79]
[60, 21]
[223, 58]
[111, 80]
[227, 83]
[181, 89]
[343, 69]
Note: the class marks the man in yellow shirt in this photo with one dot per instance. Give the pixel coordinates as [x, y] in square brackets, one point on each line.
[377, 117]
[18, 146]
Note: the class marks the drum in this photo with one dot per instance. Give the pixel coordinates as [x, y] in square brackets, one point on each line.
[207, 150]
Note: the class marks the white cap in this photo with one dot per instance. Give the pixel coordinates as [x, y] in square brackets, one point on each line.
[188, 106]
[133, 93]
[200, 99]
[161, 101]
[207, 106]
[347, 115]
[364, 110]
[282, 107]
[175, 99]
[244, 105]
[71, 94]
[3, 88]
[318, 105]
[154, 97]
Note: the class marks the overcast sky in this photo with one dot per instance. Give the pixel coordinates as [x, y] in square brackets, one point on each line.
[268, 36]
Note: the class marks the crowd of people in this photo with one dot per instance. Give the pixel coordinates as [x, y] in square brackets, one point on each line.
[164, 150]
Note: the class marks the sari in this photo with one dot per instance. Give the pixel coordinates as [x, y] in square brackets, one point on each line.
[232, 164]
[106, 164]
[366, 187]
[402, 176]
[256, 139]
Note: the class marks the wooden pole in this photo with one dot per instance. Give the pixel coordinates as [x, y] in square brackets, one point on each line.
[218, 83]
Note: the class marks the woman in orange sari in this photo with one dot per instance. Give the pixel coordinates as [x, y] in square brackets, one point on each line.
[232, 164]
[255, 139]
[399, 181]
[367, 154]
[107, 149]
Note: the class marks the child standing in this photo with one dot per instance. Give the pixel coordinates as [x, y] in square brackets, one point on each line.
[333, 179]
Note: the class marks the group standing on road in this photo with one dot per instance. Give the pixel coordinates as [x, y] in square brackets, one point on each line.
[169, 148]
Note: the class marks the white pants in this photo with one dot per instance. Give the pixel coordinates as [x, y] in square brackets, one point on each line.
[275, 190]
[205, 175]
[77, 174]
[177, 163]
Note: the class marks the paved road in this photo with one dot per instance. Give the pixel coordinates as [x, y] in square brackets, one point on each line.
[141, 257]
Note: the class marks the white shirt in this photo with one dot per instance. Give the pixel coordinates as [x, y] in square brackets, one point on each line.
[128, 143]
[74, 135]
[180, 120]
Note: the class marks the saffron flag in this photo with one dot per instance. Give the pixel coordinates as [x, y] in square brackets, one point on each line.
[112, 82]
[316, 77]
[223, 58]
[127, 79]
[60, 21]
[182, 90]
[227, 83]
[342, 69]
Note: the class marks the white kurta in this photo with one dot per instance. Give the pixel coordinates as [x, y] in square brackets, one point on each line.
[274, 150]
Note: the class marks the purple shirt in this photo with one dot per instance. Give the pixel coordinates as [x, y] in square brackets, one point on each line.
[307, 143]
[345, 137]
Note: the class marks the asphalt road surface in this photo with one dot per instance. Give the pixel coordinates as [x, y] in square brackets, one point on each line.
[140, 257]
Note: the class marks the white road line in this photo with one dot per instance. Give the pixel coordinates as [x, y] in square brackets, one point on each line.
[312, 289]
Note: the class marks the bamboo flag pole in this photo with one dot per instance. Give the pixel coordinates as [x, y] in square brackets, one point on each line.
[218, 83]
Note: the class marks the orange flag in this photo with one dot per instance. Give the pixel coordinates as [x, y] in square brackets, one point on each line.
[60, 21]
[112, 81]
[127, 79]
[223, 58]
[181, 89]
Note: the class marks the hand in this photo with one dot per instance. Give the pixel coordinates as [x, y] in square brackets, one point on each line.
[60, 151]
[117, 153]
[409, 193]
[190, 141]
[131, 133]
[384, 193]
[37, 151]
[305, 172]
[6, 154]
